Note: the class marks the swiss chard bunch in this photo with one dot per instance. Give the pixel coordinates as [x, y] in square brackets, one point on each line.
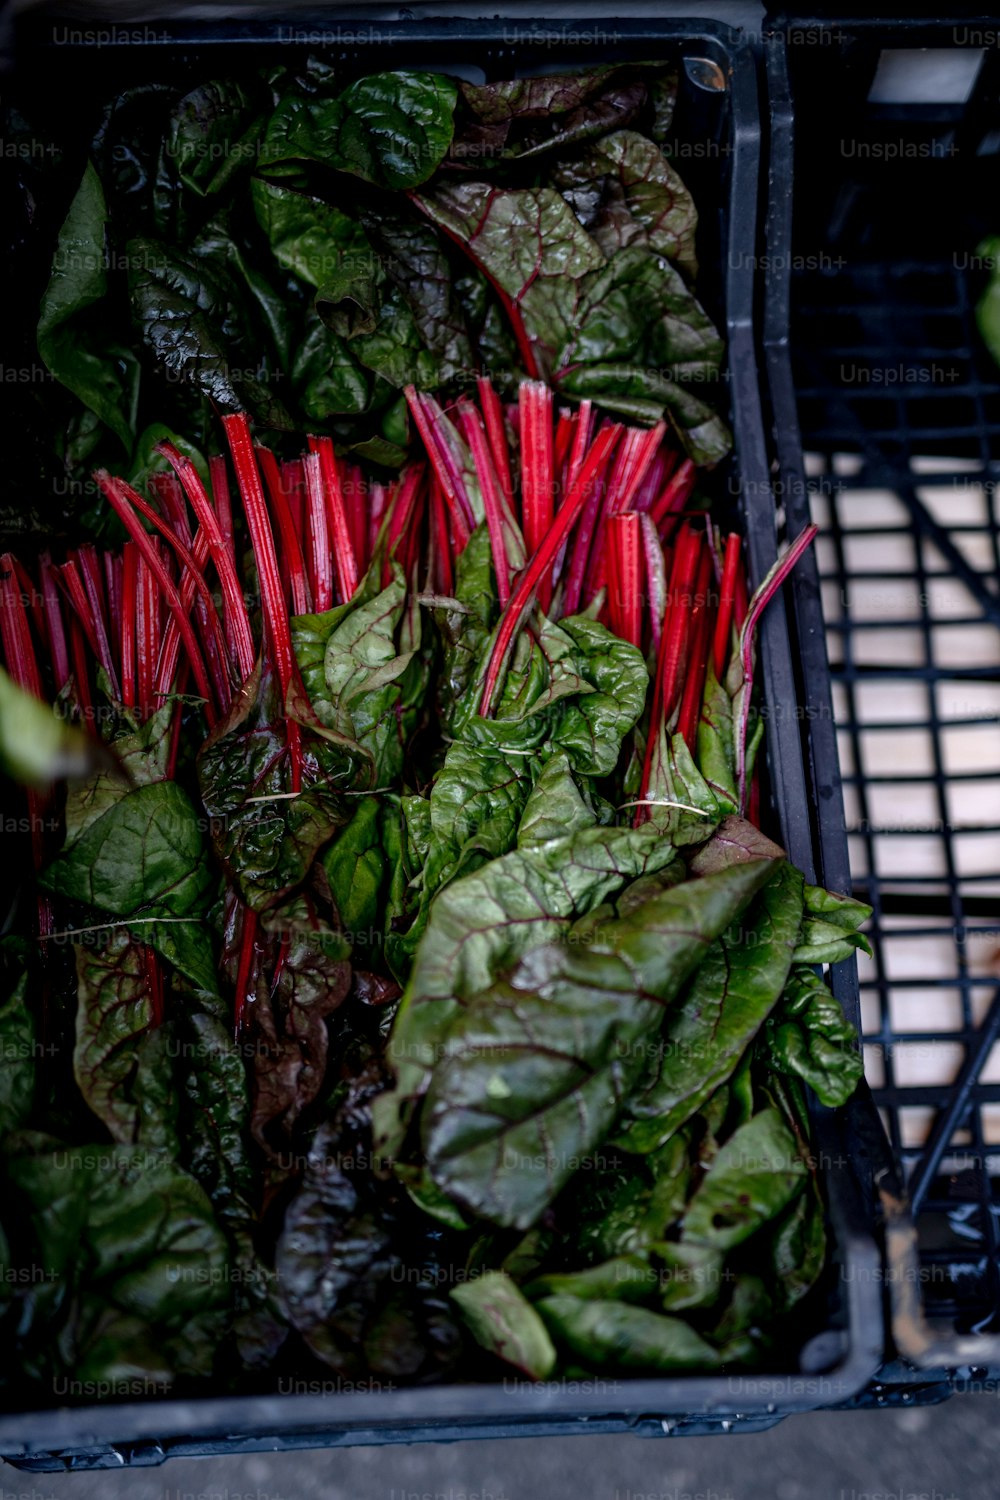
[424, 932]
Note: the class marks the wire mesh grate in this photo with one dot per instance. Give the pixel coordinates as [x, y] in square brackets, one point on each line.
[900, 410]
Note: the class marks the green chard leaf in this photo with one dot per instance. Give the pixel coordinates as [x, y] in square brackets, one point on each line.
[136, 1265]
[18, 1053]
[502, 1320]
[212, 1081]
[755, 1175]
[683, 806]
[642, 345]
[535, 1069]
[213, 134]
[616, 1335]
[716, 743]
[71, 343]
[326, 378]
[484, 922]
[624, 190]
[798, 1249]
[340, 1267]
[531, 245]
[709, 1031]
[121, 1061]
[352, 669]
[416, 264]
[830, 927]
[810, 1038]
[265, 840]
[144, 852]
[592, 727]
[390, 129]
[356, 867]
[529, 117]
[292, 1045]
[314, 240]
[193, 320]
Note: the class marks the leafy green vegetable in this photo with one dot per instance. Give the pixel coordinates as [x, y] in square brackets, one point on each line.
[307, 236]
[624, 191]
[755, 1175]
[265, 840]
[213, 134]
[71, 344]
[18, 1045]
[504, 1322]
[729, 999]
[483, 923]
[145, 851]
[642, 344]
[616, 1335]
[194, 322]
[810, 1038]
[121, 1065]
[830, 927]
[339, 1262]
[391, 129]
[134, 1260]
[312, 981]
[534, 1069]
[531, 245]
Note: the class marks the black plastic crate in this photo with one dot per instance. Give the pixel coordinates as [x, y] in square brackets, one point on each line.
[718, 105]
[899, 405]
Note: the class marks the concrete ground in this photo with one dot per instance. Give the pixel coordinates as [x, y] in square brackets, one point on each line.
[947, 1452]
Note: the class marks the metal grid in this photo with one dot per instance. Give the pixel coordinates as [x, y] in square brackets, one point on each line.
[900, 410]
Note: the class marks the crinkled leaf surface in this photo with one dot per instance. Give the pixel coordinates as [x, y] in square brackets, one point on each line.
[391, 129]
[810, 1037]
[535, 1070]
[135, 1264]
[488, 919]
[531, 245]
[146, 850]
[623, 190]
[122, 1067]
[720, 1013]
[266, 839]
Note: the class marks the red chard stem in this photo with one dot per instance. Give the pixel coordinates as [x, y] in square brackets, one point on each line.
[675, 492]
[727, 594]
[524, 594]
[55, 630]
[344, 560]
[489, 405]
[763, 595]
[222, 505]
[656, 578]
[120, 498]
[319, 555]
[505, 539]
[625, 576]
[130, 611]
[290, 550]
[429, 420]
[234, 607]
